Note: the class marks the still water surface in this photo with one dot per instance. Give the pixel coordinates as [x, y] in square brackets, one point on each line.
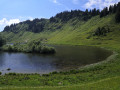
[67, 57]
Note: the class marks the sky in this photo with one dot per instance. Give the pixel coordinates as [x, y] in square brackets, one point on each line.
[15, 11]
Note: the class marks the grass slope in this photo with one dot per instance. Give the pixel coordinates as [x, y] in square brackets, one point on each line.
[104, 84]
[73, 32]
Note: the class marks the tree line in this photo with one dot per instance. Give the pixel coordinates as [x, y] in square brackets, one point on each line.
[111, 10]
[81, 15]
[87, 14]
[38, 25]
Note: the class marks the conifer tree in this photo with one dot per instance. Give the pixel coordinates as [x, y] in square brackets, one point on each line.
[117, 16]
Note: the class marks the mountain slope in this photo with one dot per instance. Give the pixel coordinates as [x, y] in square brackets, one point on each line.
[73, 32]
[69, 27]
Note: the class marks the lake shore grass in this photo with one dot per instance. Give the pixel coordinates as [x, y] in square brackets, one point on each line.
[104, 84]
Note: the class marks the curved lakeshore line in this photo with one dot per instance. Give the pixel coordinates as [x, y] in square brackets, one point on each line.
[110, 58]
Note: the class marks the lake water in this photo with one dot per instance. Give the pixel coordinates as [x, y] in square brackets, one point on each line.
[66, 57]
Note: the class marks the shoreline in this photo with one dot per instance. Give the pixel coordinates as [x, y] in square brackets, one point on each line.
[109, 58]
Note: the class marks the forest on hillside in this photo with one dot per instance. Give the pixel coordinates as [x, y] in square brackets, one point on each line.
[39, 25]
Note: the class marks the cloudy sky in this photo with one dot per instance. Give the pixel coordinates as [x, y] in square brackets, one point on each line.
[14, 11]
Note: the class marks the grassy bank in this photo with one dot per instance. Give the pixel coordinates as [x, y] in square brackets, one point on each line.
[99, 85]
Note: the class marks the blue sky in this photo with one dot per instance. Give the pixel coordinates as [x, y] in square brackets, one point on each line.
[14, 11]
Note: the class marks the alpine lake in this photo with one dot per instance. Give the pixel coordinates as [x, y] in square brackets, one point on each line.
[65, 58]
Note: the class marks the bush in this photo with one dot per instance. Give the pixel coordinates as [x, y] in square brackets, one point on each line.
[2, 41]
[55, 72]
[101, 31]
[47, 50]
[38, 49]
[14, 74]
[10, 49]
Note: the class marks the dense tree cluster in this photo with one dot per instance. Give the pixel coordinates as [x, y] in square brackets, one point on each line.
[101, 31]
[109, 10]
[67, 15]
[36, 26]
[11, 28]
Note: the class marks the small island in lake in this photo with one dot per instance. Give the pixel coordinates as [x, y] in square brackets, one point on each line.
[30, 47]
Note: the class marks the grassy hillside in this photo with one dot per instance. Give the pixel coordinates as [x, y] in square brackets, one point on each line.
[74, 32]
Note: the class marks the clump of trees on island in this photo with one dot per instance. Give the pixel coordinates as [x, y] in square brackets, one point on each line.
[31, 47]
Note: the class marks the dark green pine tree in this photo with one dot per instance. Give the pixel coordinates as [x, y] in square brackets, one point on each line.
[101, 14]
[106, 12]
[115, 8]
[117, 16]
[98, 12]
[110, 9]
[94, 12]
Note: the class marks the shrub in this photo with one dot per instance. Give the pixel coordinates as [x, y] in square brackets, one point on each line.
[0, 73]
[2, 41]
[47, 50]
[55, 72]
[101, 31]
[38, 49]
[12, 74]
[10, 49]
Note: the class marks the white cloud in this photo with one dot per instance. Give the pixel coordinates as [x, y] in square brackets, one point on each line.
[75, 1]
[4, 22]
[56, 2]
[60, 4]
[99, 3]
